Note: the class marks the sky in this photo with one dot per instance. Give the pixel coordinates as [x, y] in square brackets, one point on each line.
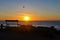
[35, 9]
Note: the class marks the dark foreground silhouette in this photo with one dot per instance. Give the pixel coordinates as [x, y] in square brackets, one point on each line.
[29, 33]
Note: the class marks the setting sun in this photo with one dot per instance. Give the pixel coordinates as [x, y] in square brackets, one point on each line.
[26, 18]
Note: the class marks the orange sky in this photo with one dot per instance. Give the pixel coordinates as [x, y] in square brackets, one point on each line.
[36, 10]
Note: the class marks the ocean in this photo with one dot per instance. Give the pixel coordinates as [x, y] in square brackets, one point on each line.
[56, 24]
[47, 23]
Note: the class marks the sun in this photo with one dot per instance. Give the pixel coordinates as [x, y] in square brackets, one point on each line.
[26, 18]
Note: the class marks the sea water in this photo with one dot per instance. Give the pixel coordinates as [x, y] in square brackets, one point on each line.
[56, 24]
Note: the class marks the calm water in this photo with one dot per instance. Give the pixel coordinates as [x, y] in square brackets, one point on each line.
[47, 23]
[56, 24]
[38, 23]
